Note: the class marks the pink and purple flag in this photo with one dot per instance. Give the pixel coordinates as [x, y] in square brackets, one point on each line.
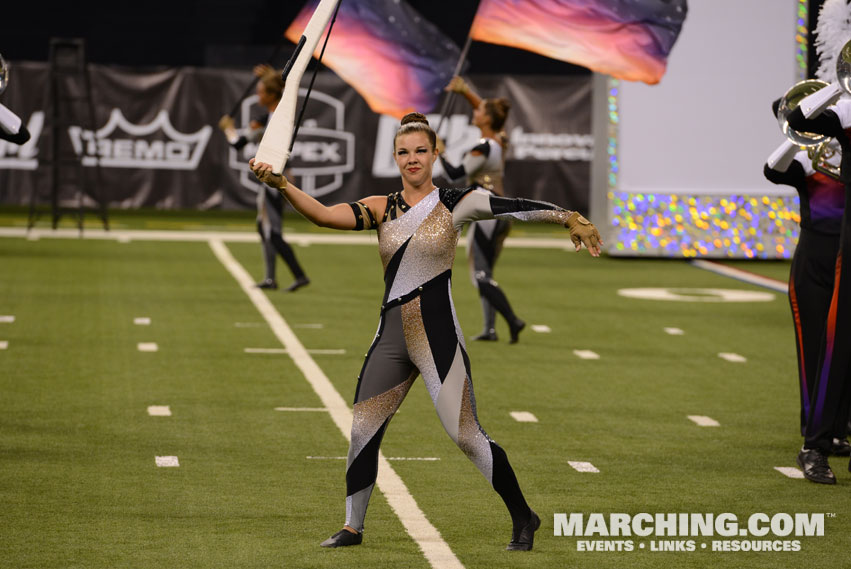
[627, 39]
[398, 61]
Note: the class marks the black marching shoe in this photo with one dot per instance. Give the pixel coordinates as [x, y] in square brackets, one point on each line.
[297, 284]
[523, 536]
[515, 328]
[343, 538]
[813, 463]
[486, 336]
[840, 447]
[271, 284]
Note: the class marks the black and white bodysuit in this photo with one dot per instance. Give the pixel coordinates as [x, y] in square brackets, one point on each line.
[418, 334]
[483, 166]
[270, 211]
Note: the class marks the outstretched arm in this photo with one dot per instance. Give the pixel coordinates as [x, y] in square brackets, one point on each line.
[361, 215]
[239, 137]
[480, 204]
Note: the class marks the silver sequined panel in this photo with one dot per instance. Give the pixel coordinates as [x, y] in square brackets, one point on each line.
[471, 438]
[539, 216]
[392, 234]
[430, 252]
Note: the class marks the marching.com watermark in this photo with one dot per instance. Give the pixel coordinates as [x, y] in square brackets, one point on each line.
[682, 531]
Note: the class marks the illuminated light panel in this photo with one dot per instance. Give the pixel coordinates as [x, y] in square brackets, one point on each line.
[801, 39]
[612, 146]
[672, 225]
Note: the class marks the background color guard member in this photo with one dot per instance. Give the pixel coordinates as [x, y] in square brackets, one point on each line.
[270, 204]
[483, 166]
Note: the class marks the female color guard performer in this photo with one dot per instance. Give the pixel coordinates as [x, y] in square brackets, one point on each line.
[483, 166]
[270, 204]
[418, 333]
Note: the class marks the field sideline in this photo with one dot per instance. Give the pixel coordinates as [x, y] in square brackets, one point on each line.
[260, 487]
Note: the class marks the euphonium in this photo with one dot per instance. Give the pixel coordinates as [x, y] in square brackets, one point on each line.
[820, 148]
[789, 102]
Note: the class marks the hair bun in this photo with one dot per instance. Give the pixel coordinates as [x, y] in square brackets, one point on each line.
[414, 117]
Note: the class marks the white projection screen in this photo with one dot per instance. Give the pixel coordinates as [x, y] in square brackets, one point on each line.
[703, 134]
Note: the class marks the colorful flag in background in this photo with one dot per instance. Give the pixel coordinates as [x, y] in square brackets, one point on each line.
[398, 61]
[627, 39]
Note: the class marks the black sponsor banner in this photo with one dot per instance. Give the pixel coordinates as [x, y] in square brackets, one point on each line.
[158, 145]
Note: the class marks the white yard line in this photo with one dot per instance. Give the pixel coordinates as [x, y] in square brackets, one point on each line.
[426, 536]
[704, 421]
[332, 351]
[586, 354]
[523, 417]
[124, 235]
[414, 458]
[159, 411]
[166, 461]
[740, 275]
[581, 466]
[789, 471]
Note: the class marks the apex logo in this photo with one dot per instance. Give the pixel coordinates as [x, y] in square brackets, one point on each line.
[122, 144]
[322, 153]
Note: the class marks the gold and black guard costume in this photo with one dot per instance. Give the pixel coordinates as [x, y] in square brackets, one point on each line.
[419, 334]
[270, 217]
[482, 166]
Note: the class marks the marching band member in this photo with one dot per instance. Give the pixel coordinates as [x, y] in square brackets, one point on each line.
[830, 399]
[811, 279]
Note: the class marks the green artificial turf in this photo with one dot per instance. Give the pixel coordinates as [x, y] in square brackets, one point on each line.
[79, 486]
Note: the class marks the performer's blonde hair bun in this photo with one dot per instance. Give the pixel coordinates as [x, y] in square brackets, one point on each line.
[416, 122]
[414, 117]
